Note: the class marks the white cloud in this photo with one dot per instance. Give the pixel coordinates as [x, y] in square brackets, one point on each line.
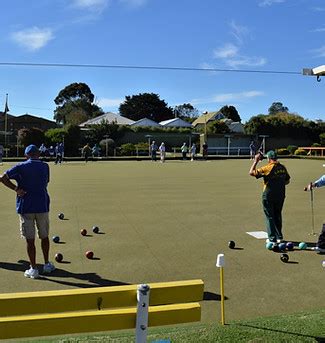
[321, 29]
[34, 38]
[105, 102]
[245, 61]
[265, 3]
[92, 5]
[238, 31]
[318, 9]
[320, 52]
[228, 97]
[134, 3]
[227, 51]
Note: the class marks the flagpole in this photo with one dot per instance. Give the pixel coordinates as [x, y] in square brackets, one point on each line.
[6, 119]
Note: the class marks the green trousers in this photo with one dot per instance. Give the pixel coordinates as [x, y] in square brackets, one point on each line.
[273, 217]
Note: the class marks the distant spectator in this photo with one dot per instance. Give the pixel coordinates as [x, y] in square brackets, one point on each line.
[59, 151]
[86, 151]
[252, 149]
[96, 150]
[153, 151]
[184, 151]
[51, 151]
[193, 151]
[42, 150]
[205, 150]
[162, 150]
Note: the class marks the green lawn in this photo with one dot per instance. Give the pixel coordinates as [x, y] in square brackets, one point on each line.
[165, 222]
[301, 327]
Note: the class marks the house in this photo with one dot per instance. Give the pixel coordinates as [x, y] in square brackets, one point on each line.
[145, 122]
[25, 121]
[175, 122]
[109, 117]
[204, 119]
[234, 126]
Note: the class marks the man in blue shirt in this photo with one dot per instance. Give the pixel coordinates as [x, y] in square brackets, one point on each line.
[32, 205]
[320, 245]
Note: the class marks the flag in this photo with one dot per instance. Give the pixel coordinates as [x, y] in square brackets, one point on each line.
[6, 118]
[6, 106]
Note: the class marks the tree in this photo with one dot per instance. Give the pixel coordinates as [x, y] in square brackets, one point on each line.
[30, 136]
[185, 111]
[103, 130]
[145, 105]
[230, 112]
[277, 107]
[75, 104]
[217, 126]
[70, 135]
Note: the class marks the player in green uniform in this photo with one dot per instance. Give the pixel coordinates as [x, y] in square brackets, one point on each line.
[275, 177]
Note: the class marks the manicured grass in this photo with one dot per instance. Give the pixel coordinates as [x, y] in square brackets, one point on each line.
[166, 222]
[302, 327]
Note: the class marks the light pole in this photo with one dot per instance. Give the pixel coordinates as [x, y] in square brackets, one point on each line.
[149, 138]
[228, 143]
[205, 126]
[263, 142]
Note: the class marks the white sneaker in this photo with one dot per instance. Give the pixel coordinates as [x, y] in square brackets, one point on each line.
[31, 273]
[268, 241]
[48, 268]
[280, 241]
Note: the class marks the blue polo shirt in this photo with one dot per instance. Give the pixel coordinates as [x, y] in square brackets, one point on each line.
[32, 176]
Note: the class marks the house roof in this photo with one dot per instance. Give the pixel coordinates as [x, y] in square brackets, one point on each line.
[205, 118]
[175, 122]
[109, 117]
[145, 122]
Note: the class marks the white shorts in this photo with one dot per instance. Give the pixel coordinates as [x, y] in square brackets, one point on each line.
[27, 225]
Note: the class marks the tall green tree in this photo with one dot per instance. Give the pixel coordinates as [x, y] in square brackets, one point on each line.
[277, 107]
[145, 105]
[217, 126]
[185, 111]
[230, 112]
[75, 104]
[30, 136]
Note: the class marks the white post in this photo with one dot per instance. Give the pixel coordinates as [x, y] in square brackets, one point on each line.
[143, 292]
[220, 264]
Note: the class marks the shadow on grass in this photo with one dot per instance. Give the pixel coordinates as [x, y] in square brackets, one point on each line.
[317, 338]
[209, 296]
[58, 275]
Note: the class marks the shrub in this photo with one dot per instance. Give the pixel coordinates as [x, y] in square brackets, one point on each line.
[292, 149]
[109, 145]
[283, 151]
[127, 149]
[301, 152]
[322, 139]
[316, 145]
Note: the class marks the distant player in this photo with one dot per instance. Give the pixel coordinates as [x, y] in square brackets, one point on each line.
[86, 152]
[162, 150]
[252, 149]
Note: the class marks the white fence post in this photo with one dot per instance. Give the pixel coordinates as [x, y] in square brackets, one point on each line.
[143, 292]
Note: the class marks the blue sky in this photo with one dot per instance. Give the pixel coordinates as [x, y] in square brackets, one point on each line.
[259, 35]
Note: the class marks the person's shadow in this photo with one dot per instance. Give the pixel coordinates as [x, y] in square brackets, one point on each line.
[58, 274]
